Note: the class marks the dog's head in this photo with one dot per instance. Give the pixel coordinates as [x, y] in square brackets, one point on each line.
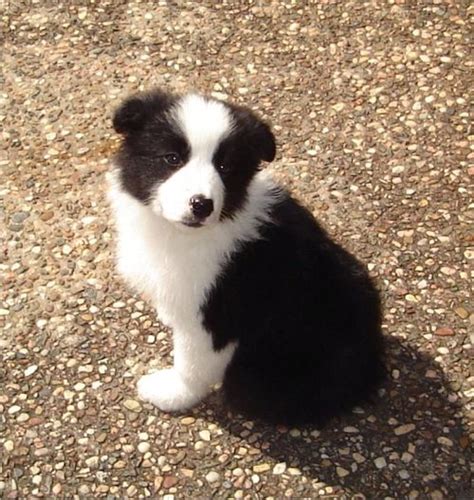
[190, 158]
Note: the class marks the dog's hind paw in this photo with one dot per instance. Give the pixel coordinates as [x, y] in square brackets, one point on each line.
[167, 390]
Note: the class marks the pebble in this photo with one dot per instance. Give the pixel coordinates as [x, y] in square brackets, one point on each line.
[188, 420]
[445, 441]
[351, 430]
[143, 447]
[132, 405]
[259, 468]
[404, 429]
[205, 435]
[341, 472]
[461, 312]
[30, 370]
[9, 445]
[92, 462]
[212, 477]
[380, 462]
[279, 468]
[444, 331]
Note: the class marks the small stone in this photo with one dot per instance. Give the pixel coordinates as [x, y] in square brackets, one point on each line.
[338, 107]
[188, 420]
[404, 429]
[261, 468]
[279, 468]
[351, 430]
[212, 477]
[444, 441]
[358, 458]
[143, 447]
[169, 481]
[461, 312]
[119, 304]
[294, 471]
[9, 445]
[67, 249]
[448, 271]
[132, 490]
[444, 331]
[57, 488]
[380, 462]
[14, 409]
[84, 489]
[30, 370]
[205, 435]
[398, 169]
[132, 405]
[341, 472]
[92, 462]
[19, 217]
[46, 216]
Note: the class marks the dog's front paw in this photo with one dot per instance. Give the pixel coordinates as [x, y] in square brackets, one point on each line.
[166, 390]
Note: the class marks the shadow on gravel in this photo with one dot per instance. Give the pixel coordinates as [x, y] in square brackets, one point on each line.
[369, 452]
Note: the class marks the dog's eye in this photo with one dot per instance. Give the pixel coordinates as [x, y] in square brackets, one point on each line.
[172, 159]
[223, 167]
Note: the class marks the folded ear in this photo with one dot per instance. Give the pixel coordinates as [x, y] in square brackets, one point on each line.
[130, 116]
[265, 141]
[133, 114]
[257, 133]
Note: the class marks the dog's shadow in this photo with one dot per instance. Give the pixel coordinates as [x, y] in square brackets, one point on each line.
[412, 440]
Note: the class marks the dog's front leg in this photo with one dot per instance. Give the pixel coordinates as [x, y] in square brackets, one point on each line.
[197, 367]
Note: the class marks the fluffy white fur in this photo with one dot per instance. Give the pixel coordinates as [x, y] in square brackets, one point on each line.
[198, 177]
[175, 268]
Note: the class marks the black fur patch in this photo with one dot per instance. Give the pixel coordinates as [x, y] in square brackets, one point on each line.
[307, 318]
[148, 136]
[239, 155]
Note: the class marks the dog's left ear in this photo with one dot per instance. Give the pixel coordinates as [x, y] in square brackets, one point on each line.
[130, 116]
[257, 133]
[265, 141]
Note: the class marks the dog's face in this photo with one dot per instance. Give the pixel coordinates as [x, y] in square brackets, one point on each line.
[189, 158]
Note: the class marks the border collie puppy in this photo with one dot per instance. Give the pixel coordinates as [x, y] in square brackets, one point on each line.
[258, 296]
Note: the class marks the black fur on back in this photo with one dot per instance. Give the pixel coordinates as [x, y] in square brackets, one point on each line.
[306, 316]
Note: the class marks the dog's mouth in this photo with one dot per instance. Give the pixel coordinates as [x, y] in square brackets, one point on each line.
[192, 223]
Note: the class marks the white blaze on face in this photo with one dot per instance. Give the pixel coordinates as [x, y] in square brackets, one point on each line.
[204, 124]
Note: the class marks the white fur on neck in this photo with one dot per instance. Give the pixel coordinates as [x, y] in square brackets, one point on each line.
[176, 267]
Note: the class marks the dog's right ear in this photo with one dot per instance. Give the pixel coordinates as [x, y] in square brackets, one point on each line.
[133, 114]
[130, 116]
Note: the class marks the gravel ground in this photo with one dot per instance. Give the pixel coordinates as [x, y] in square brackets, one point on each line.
[370, 104]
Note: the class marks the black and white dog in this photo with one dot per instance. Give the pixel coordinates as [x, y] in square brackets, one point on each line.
[258, 296]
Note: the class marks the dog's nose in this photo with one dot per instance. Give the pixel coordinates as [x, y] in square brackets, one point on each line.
[201, 206]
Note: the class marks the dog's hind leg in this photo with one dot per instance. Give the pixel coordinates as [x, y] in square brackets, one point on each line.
[197, 367]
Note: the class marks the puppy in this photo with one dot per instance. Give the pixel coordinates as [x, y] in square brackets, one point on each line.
[258, 296]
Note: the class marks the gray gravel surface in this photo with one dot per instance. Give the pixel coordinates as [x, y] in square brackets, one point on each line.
[370, 104]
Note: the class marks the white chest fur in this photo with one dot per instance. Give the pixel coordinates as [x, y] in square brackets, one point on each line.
[175, 268]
